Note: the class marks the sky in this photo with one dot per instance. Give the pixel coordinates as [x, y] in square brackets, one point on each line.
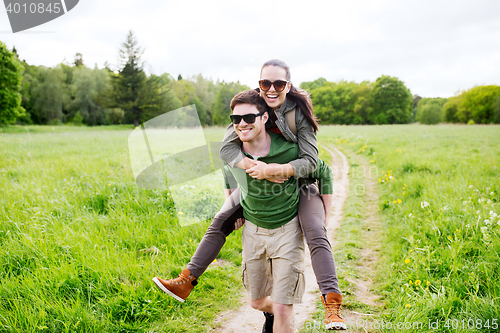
[437, 48]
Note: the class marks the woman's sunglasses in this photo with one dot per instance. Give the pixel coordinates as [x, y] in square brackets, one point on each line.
[248, 118]
[279, 85]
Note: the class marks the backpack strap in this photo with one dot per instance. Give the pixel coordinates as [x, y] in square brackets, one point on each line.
[291, 120]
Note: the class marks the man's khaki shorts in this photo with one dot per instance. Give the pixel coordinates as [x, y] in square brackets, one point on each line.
[273, 262]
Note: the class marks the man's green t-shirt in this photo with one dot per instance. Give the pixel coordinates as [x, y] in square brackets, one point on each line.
[271, 205]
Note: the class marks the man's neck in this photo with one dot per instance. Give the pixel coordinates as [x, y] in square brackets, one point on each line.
[259, 146]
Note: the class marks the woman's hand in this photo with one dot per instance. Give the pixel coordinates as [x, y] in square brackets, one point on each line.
[239, 223]
[261, 170]
[258, 170]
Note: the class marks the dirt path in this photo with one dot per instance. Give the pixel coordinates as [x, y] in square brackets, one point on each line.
[246, 319]
[369, 253]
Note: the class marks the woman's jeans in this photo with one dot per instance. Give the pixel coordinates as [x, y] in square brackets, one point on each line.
[312, 221]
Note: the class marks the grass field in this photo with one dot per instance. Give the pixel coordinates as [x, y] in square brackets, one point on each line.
[73, 222]
[439, 202]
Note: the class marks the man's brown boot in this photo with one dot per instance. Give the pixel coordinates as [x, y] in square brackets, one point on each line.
[333, 317]
[180, 287]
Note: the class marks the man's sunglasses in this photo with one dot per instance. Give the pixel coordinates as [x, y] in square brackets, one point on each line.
[279, 85]
[248, 118]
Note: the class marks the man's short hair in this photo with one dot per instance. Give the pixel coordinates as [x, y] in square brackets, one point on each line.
[249, 97]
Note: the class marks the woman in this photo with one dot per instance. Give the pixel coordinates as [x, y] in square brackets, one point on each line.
[292, 116]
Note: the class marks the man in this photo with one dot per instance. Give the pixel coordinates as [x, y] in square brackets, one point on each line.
[272, 240]
[271, 209]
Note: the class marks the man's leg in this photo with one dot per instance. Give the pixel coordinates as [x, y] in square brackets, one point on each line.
[283, 318]
[287, 262]
[264, 304]
[256, 272]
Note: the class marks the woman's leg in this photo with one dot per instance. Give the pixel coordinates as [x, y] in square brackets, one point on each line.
[208, 249]
[312, 221]
[215, 237]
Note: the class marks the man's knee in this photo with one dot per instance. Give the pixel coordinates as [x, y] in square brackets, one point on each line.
[282, 310]
[257, 304]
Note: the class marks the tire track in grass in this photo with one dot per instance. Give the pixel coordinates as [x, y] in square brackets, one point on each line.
[246, 319]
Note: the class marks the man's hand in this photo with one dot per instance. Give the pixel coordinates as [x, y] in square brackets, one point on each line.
[277, 179]
[239, 223]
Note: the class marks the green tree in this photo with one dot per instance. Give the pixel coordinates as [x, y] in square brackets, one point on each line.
[10, 87]
[131, 79]
[157, 97]
[88, 85]
[220, 105]
[392, 101]
[480, 102]
[423, 103]
[496, 110]
[49, 95]
[311, 85]
[430, 114]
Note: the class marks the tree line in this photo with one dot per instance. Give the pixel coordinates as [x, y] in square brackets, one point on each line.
[74, 93]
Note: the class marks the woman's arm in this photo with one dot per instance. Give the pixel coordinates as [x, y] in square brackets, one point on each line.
[308, 155]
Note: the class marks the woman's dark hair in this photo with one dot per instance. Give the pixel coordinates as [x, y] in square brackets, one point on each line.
[299, 96]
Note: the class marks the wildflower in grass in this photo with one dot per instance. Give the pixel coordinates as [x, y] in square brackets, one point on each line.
[181, 213]
[403, 193]
[493, 214]
[484, 230]
[411, 251]
[394, 201]
[418, 282]
[428, 283]
[488, 202]
[411, 283]
[491, 193]
[427, 289]
[487, 221]
[410, 215]
[215, 260]
[424, 204]
[471, 186]
[407, 306]
[391, 177]
[407, 261]
[372, 161]
[399, 201]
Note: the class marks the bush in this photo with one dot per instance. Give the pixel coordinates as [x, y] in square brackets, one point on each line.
[431, 114]
[471, 122]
